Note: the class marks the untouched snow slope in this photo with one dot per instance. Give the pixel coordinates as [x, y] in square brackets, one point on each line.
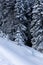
[12, 54]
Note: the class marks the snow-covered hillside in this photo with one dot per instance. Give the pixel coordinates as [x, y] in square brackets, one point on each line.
[12, 54]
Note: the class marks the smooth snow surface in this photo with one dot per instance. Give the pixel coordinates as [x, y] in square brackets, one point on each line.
[12, 54]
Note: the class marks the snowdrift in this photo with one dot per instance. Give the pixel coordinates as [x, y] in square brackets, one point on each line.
[12, 54]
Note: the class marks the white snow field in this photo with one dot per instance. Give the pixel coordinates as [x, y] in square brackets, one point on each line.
[12, 54]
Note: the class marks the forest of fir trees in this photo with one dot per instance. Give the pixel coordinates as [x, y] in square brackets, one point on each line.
[22, 21]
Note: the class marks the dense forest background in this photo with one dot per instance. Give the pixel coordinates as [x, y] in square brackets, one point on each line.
[22, 21]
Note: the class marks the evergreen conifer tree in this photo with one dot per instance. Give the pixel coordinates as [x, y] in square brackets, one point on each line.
[37, 26]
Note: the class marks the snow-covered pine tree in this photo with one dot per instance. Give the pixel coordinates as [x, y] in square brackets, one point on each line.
[14, 13]
[23, 10]
[7, 15]
[20, 37]
[28, 14]
[37, 26]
